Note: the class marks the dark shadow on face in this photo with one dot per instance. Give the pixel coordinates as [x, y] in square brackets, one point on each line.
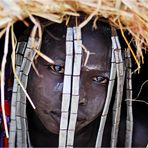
[46, 91]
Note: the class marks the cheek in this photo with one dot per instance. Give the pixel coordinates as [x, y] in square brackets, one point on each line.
[96, 98]
[52, 84]
[45, 90]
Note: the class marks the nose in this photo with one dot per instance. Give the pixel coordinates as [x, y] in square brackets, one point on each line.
[82, 101]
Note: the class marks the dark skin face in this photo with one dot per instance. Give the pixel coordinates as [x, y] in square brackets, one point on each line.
[46, 91]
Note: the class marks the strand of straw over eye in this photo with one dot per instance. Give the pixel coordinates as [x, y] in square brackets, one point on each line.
[3, 64]
[49, 60]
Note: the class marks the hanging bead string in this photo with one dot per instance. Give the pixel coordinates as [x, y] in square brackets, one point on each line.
[18, 125]
[129, 117]
[75, 87]
[70, 97]
[13, 129]
[66, 96]
[119, 91]
[108, 99]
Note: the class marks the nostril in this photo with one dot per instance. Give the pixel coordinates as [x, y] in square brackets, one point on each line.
[83, 101]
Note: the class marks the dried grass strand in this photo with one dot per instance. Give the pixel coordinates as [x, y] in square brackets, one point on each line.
[122, 33]
[49, 60]
[141, 89]
[135, 100]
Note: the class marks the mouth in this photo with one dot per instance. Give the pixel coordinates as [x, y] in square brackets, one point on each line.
[80, 120]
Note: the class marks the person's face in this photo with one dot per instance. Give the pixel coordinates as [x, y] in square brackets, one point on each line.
[46, 91]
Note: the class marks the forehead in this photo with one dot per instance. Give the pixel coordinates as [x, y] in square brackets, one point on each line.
[95, 41]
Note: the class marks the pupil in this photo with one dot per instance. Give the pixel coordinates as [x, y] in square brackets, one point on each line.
[57, 68]
[99, 78]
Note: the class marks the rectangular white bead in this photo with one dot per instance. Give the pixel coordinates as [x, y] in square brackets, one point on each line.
[65, 102]
[23, 64]
[12, 138]
[68, 65]
[18, 68]
[24, 80]
[70, 138]
[21, 46]
[74, 104]
[22, 96]
[33, 43]
[62, 138]
[77, 65]
[15, 84]
[64, 120]
[29, 54]
[18, 93]
[13, 125]
[78, 47]
[21, 109]
[72, 122]
[75, 85]
[18, 125]
[13, 99]
[69, 48]
[77, 33]
[67, 85]
[114, 45]
[69, 34]
[19, 59]
[118, 43]
[19, 138]
[27, 67]
[13, 112]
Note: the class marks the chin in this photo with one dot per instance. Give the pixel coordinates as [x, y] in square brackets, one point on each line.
[50, 123]
[81, 124]
[52, 128]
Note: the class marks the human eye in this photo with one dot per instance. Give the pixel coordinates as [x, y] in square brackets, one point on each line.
[100, 79]
[57, 68]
